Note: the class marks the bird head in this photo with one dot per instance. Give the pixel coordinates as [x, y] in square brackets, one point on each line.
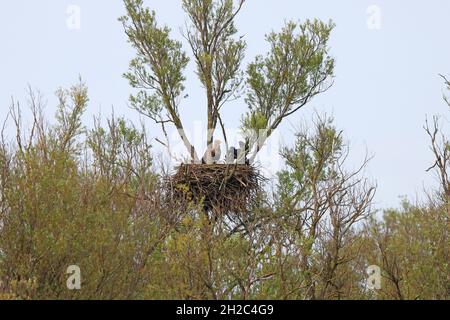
[217, 143]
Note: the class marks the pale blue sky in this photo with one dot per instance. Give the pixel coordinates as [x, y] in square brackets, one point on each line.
[386, 80]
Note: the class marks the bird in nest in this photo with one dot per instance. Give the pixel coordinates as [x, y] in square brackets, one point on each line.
[238, 155]
[212, 153]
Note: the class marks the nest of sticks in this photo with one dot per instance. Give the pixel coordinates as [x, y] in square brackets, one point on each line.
[219, 188]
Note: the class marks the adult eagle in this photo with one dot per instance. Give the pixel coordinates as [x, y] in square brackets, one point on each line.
[212, 153]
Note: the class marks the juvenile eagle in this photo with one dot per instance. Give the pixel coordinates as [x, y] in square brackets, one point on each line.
[238, 154]
[212, 153]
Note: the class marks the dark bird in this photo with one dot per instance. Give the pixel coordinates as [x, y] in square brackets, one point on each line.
[243, 153]
[238, 154]
[212, 153]
[232, 154]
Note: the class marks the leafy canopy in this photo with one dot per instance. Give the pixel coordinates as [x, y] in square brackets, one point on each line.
[296, 68]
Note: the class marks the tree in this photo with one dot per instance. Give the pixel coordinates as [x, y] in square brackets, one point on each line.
[72, 197]
[318, 206]
[447, 84]
[410, 245]
[217, 54]
[158, 69]
[440, 146]
[296, 68]
[91, 198]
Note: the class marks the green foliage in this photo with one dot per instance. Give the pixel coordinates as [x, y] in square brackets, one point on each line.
[218, 55]
[296, 68]
[72, 104]
[314, 155]
[318, 205]
[159, 64]
[255, 122]
[60, 209]
[411, 247]
[93, 199]
[122, 152]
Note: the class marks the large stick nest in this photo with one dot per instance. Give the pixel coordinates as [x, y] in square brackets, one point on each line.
[219, 188]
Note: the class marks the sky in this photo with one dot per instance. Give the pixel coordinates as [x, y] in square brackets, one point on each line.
[388, 57]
